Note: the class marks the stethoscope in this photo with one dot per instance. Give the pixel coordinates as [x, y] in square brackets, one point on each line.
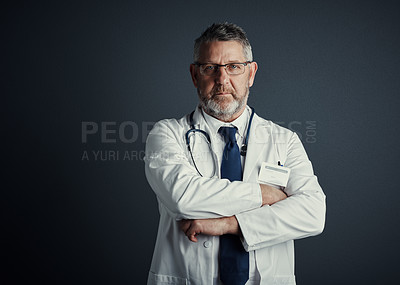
[193, 130]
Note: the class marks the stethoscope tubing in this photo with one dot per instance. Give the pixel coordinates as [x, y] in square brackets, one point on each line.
[243, 149]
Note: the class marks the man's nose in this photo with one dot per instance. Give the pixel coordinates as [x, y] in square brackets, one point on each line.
[221, 77]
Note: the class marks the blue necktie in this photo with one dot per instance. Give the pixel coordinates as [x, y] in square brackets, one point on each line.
[233, 259]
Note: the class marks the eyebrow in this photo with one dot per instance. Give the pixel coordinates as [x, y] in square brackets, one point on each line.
[231, 61]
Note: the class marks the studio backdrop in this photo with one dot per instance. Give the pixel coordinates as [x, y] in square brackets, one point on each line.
[84, 82]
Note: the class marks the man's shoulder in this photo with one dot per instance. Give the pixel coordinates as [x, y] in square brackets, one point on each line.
[172, 123]
[273, 126]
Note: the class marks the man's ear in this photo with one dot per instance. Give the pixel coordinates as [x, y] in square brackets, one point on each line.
[253, 70]
[193, 73]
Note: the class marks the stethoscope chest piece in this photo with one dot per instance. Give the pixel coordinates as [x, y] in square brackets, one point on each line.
[243, 150]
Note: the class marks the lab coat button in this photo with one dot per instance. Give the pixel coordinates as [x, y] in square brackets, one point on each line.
[207, 244]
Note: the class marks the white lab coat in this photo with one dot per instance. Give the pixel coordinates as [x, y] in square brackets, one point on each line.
[268, 231]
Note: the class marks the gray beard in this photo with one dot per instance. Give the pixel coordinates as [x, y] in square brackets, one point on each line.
[211, 107]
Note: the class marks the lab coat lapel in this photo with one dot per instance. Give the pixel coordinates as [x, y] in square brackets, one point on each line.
[257, 147]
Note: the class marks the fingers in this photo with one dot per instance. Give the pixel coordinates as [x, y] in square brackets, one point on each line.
[192, 237]
[271, 195]
[191, 232]
[187, 227]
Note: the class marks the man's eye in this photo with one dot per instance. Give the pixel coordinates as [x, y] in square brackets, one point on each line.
[209, 67]
[233, 66]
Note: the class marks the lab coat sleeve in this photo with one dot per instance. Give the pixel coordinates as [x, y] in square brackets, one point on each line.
[301, 215]
[178, 186]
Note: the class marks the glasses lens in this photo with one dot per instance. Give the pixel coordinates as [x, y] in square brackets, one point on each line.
[235, 68]
[208, 69]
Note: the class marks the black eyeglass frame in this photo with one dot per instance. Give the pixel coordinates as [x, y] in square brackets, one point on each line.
[222, 65]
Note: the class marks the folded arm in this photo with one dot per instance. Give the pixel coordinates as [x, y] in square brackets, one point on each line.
[301, 215]
[186, 194]
[227, 225]
[280, 219]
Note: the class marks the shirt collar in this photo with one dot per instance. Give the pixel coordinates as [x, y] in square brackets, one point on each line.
[240, 123]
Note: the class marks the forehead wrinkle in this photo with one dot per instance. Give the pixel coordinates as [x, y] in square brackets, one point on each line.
[221, 52]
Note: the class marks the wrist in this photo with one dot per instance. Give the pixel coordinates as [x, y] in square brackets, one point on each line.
[232, 226]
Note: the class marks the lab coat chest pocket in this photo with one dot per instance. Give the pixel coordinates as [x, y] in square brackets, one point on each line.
[160, 279]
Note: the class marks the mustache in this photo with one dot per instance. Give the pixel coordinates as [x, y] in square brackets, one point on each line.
[222, 89]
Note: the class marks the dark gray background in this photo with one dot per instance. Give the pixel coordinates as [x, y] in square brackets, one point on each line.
[68, 221]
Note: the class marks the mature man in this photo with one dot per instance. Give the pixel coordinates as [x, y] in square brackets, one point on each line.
[228, 215]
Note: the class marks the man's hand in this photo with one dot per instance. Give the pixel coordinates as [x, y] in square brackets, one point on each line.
[212, 227]
[227, 225]
[271, 195]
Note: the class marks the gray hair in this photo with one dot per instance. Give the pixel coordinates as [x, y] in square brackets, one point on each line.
[223, 32]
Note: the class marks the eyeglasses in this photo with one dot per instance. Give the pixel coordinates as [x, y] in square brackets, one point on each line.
[234, 68]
